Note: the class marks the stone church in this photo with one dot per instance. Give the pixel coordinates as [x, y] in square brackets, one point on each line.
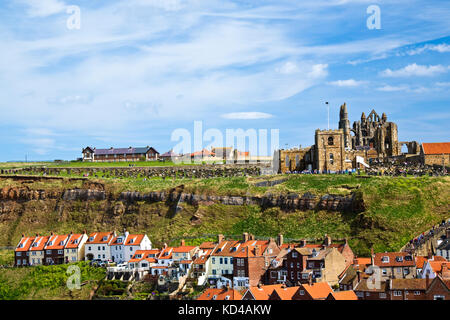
[346, 148]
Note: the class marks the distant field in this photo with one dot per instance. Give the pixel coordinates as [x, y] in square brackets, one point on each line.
[15, 165]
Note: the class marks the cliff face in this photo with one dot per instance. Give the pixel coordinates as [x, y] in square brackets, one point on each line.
[91, 207]
[352, 203]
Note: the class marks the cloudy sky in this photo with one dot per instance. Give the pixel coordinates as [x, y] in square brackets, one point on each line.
[136, 70]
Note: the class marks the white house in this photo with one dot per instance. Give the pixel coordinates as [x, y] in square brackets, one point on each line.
[443, 249]
[134, 242]
[97, 246]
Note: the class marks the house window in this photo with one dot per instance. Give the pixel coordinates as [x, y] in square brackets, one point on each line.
[385, 259]
[221, 260]
[301, 292]
[382, 295]
[397, 293]
[225, 260]
[214, 260]
[417, 293]
[294, 255]
[438, 297]
[331, 158]
[60, 251]
[18, 254]
[273, 274]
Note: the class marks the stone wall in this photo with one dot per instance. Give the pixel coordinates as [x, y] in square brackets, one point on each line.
[201, 171]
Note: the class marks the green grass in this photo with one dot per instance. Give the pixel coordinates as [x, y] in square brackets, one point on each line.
[46, 282]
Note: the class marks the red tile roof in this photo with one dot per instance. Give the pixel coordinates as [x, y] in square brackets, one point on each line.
[436, 148]
[263, 292]
[220, 294]
[319, 290]
[24, 244]
[184, 248]
[134, 239]
[285, 293]
[74, 241]
[57, 242]
[97, 237]
[39, 243]
[343, 295]
[395, 259]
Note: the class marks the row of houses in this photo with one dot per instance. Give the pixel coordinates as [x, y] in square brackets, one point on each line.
[251, 263]
[73, 247]
[315, 291]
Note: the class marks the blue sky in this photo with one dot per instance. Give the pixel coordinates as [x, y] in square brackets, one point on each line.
[136, 70]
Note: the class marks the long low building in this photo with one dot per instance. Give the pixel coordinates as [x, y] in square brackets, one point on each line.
[120, 154]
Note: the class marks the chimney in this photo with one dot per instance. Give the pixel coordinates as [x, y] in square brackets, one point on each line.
[220, 238]
[259, 285]
[310, 280]
[358, 273]
[165, 245]
[71, 232]
[447, 233]
[303, 242]
[245, 237]
[251, 237]
[280, 240]
[84, 231]
[257, 251]
[51, 233]
[327, 241]
[37, 235]
[182, 243]
[427, 277]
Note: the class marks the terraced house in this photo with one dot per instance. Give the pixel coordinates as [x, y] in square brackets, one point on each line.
[54, 249]
[98, 246]
[37, 250]
[21, 253]
[74, 249]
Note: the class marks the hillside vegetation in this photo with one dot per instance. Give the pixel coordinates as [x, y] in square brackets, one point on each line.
[396, 209]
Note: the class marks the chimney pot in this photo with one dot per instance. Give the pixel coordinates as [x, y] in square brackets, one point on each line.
[220, 238]
[182, 243]
[280, 240]
[245, 237]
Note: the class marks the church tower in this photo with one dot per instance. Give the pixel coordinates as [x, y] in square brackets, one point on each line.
[344, 124]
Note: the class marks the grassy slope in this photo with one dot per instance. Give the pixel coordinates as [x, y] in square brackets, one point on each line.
[46, 282]
[397, 210]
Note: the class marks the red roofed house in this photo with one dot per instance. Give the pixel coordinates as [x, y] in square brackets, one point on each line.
[21, 254]
[437, 266]
[182, 256]
[37, 250]
[74, 249]
[395, 265]
[98, 246]
[251, 260]
[54, 249]
[143, 259]
[436, 153]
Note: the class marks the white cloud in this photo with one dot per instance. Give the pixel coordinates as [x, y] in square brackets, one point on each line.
[389, 88]
[43, 8]
[443, 47]
[347, 83]
[246, 115]
[415, 70]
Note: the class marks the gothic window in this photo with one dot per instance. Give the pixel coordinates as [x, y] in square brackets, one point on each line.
[287, 161]
[330, 141]
[297, 160]
[331, 158]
